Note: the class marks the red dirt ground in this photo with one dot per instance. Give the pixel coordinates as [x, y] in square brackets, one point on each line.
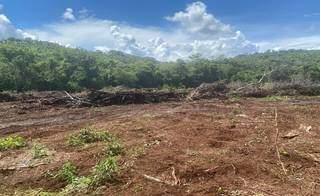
[215, 147]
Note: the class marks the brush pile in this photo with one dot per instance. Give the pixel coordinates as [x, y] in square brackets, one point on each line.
[209, 91]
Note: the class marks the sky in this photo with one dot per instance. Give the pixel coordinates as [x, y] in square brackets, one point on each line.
[166, 29]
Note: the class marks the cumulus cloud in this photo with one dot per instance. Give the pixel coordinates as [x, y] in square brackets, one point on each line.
[68, 14]
[200, 24]
[196, 32]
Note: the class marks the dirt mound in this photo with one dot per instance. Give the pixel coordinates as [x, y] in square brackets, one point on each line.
[208, 91]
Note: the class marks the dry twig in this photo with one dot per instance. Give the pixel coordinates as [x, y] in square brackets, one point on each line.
[176, 180]
[276, 142]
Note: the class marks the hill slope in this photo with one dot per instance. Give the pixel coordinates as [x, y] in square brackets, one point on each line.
[36, 65]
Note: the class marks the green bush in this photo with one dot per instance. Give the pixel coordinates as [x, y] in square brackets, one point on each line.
[12, 143]
[87, 136]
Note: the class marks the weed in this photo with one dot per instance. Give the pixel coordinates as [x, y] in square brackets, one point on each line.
[78, 185]
[275, 98]
[67, 172]
[87, 136]
[39, 151]
[235, 98]
[284, 153]
[137, 188]
[236, 111]
[114, 148]
[12, 143]
[137, 152]
[103, 172]
[34, 192]
[221, 191]
[233, 123]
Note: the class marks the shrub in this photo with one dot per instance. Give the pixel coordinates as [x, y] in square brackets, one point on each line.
[67, 172]
[39, 151]
[12, 143]
[87, 136]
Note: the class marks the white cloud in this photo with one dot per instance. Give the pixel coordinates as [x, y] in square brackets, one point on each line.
[196, 32]
[68, 14]
[306, 43]
[7, 30]
[84, 13]
[200, 24]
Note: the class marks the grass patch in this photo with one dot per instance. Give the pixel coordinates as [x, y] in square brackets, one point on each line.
[101, 173]
[275, 98]
[39, 151]
[88, 136]
[12, 143]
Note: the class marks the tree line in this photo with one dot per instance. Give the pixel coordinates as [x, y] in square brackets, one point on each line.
[37, 65]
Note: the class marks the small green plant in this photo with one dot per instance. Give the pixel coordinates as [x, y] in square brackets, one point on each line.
[137, 151]
[12, 143]
[137, 188]
[103, 172]
[221, 191]
[67, 172]
[114, 148]
[39, 151]
[87, 136]
[237, 111]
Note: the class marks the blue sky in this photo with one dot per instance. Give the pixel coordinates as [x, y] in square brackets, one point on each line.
[225, 27]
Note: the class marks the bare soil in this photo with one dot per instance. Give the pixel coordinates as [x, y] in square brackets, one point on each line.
[214, 147]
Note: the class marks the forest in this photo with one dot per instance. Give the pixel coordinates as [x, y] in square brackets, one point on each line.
[27, 65]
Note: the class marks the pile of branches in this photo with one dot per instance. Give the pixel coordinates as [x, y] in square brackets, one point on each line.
[100, 98]
[6, 97]
[280, 89]
[94, 98]
[209, 91]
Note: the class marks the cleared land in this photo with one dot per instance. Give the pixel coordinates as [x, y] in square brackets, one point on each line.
[205, 147]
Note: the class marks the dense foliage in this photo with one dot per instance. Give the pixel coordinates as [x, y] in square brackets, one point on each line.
[36, 65]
